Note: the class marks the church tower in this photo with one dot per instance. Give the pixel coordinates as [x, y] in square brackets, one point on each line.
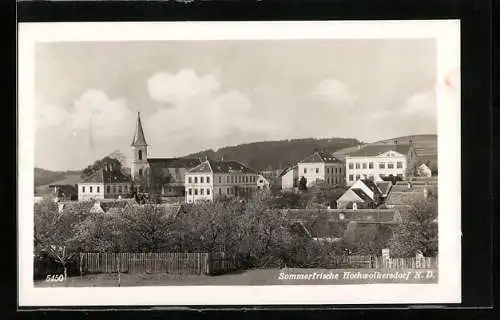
[140, 150]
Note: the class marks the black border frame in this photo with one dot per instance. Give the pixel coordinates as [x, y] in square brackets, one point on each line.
[476, 18]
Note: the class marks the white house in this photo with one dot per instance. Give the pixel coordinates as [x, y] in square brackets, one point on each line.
[324, 166]
[424, 171]
[104, 184]
[212, 179]
[289, 177]
[363, 193]
[262, 183]
[379, 160]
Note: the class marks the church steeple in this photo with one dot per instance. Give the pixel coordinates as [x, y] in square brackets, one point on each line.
[139, 139]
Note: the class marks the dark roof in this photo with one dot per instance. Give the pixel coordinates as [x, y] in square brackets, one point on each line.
[384, 186]
[360, 193]
[320, 156]
[376, 149]
[371, 185]
[404, 198]
[66, 189]
[105, 176]
[139, 139]
[287, 170]
[187, 163]
[222, 166]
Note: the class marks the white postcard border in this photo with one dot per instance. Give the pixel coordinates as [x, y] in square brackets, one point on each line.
[448, 290]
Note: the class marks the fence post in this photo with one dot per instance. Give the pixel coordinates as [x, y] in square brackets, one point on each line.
[386, 258]
[81, 267]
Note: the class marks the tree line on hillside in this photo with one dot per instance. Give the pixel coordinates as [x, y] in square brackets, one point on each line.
[256, 232]
[276, 154]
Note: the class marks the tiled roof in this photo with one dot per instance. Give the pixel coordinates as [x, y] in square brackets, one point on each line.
[174, 162]
[404, 198]
[320, 156]
[223, 166]
[376, 149]
[360, 193]
[139, 139]
[105, 176]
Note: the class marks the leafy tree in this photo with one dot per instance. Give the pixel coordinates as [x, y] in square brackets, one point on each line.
[324, 195]
[418, 231]
[303, 184]
[116, 165]
[54, 231]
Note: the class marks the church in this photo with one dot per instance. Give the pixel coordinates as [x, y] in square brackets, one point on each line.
[164, 176]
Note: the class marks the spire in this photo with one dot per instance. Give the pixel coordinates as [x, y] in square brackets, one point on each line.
[139, 139]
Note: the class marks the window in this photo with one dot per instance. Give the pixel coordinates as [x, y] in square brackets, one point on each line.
[261, 181]
[125, 188]
[98, 189]
[351, 177]
[190, 180]
[357, 165]
[208, 179]
[201, 191]
[364, 165]
[114, 189]
[220, 191]
[351, 165]
[357, 177]
[83, 189]
[364, 176]
[400, 164]
[201, 179]
[140, 154]
[119, 189]
[208, 192]
[220, 179]
[195, 192]
[108, 189]
[370, 177]
[140, 172]
[305, 170]
[246, 179]
[328, 180]
[390, 165]
[228, 191]
[370, 165]
[317, 170]
[195, 179]
[381, 165]
[327, 170]
[90, 190]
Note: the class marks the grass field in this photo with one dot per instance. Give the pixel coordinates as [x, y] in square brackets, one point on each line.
[247, 277]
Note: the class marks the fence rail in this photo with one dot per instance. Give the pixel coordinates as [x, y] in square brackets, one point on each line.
[161, 262]
[378, 262]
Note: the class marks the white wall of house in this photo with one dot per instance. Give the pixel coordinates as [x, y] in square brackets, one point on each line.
[88, 191]
[424, 171]
[288, 179]
[360, 185]
[219, 184]
[312, 172]
[262, 183]
[368, 167]
[334, 173]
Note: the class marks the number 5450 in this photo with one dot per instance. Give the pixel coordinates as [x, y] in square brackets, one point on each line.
[55, 277]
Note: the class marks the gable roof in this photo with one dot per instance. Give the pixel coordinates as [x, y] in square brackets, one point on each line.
[384, 186]
[106, 176]
[320, 156]
[187, 163]
[361, 194]
[222, 166]
[287, 170]
[371, 185]
[377, 149]
[139, 139]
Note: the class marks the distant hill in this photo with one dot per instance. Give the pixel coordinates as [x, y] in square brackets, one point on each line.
[425, 145]
[276, 154]
[44, 178]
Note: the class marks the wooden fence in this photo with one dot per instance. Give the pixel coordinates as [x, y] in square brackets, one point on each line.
[162, 262]
[378, 262]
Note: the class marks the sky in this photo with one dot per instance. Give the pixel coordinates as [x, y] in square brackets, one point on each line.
[196, 95]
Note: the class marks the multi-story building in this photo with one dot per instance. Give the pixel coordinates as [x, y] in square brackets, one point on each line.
[105, 183]
[212, 179]
[324, 166]
[374, 161]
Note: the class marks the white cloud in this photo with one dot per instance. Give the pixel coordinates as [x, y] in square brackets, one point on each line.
[335, 92]
[420, 105]
[200, 111]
